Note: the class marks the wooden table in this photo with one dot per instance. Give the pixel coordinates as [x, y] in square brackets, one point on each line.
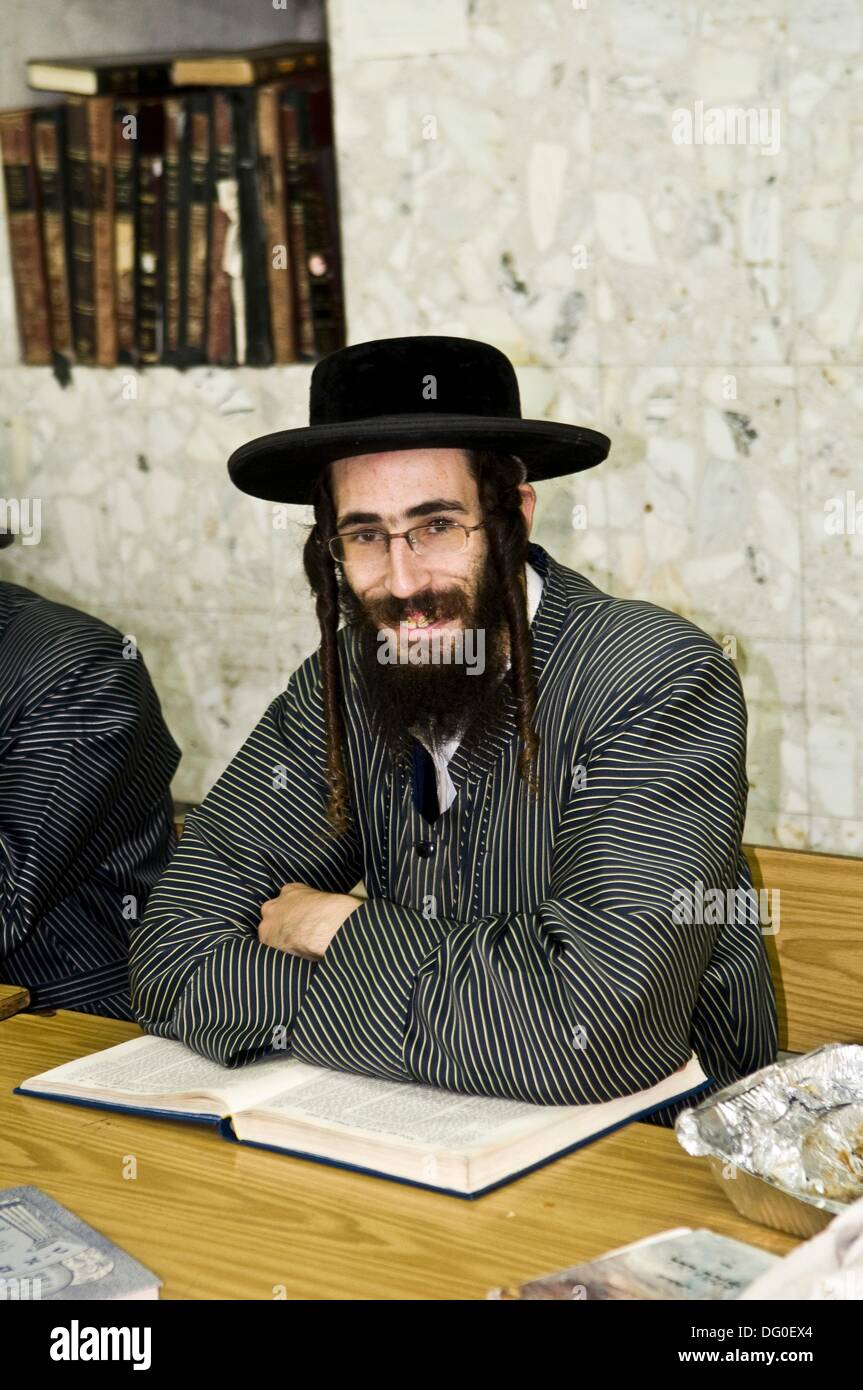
[13, 998]
[218, 1221]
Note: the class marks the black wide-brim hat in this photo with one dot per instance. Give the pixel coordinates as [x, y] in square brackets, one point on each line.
[410, 393]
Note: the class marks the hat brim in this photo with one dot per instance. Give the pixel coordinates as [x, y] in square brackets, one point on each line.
[284, 466]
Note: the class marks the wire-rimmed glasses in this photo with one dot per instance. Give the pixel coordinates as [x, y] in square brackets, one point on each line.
[368, 549]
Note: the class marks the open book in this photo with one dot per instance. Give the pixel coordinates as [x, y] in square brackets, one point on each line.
[462, 1145]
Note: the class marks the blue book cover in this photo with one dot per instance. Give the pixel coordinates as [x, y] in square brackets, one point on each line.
[460, 1145]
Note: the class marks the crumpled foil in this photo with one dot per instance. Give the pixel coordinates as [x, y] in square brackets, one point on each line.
[796, 1125]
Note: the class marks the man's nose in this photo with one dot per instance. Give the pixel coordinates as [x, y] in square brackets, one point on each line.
[407, 573]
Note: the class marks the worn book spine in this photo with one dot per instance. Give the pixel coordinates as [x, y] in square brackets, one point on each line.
[100, 143]
[220, 332]
[125, 218]
[120, 79]
[317, 162]
[81, 231]
[48, 142]
[25, 237]
[274, 211]
[303, 325]
[270, 69]
[255, 285]
[330, 194]
[174, 117]
[251, 67]
[150, 250]
[195, 196]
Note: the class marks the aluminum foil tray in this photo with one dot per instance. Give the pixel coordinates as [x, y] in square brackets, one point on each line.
[785, 1144]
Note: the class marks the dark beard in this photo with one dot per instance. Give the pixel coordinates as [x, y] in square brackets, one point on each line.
[435, 701]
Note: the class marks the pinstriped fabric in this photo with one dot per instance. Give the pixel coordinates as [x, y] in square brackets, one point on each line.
[533, 953]
[86, 820]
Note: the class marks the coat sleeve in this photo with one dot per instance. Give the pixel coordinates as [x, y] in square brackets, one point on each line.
[595, 992]
[86, 753]
[198, 972]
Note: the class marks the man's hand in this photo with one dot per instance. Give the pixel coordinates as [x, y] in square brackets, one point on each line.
[303, 921]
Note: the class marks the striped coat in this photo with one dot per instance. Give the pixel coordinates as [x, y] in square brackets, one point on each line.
[86, 820]
[510, 948]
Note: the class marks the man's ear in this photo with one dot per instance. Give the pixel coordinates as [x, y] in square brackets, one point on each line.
[528, 503]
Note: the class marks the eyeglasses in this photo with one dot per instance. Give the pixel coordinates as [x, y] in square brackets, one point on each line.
[367, 550]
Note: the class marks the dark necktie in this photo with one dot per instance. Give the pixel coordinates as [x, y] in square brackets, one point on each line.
[425, 782]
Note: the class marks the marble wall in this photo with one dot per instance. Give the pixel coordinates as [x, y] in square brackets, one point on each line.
[567, 181]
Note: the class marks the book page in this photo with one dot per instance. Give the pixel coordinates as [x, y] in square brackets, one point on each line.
[161, 1067]
[402, 1111]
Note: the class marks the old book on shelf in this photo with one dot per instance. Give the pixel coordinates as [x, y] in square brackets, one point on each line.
[256, 293]
[149, 74]
[150, 250]
[81, 231]
[125, 226]
[175, 116]
[459, 1144]
[184, 227]
[49, 141]
[25, 237]
[274, 212]
[131, 74]
[311, 196]
[195, 194]
[245, 68]
[100, 150]
[290, 126]
[321, 213]
[225, 248]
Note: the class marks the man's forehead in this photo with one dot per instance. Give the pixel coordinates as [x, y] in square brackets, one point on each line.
[357, 466]
[397, 482]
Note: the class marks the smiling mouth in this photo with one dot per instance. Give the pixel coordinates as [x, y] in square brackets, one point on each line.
[417, 622]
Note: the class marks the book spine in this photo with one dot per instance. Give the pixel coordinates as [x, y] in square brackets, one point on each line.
[220, 344]
[81, 231]
[303, 326]
[125, 204]
[270, 69]
[330, 195]
[259, 352]
[174, 118]
[274, 212]
[48, 139]
[317, 164]
[25, 237]
[100, 137]
[136, 80]
[195, 197]
[150, 239]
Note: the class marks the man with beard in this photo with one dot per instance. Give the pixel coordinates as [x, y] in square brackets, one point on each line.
[525, 832]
